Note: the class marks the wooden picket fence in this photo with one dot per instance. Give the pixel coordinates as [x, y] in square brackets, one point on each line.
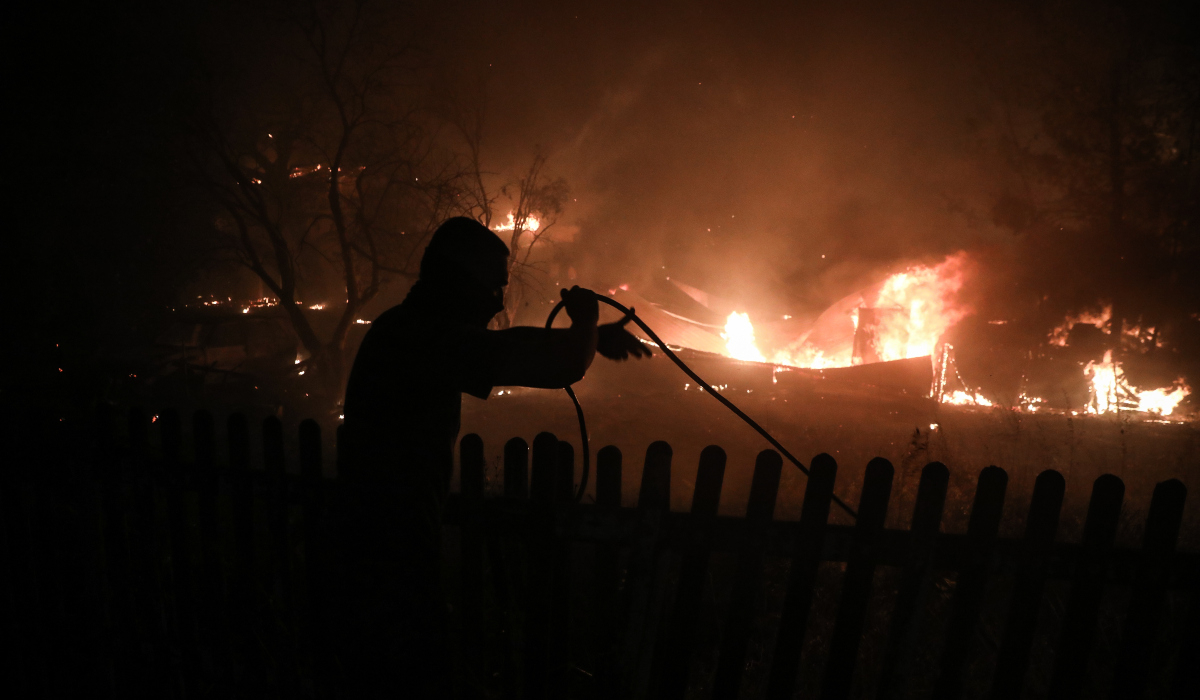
[183, 570]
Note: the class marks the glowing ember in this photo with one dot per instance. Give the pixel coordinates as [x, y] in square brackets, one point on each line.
[1095, 317]
[304, 170]
[739, 338]
[1030, 403]
[531, 224]
[962, 398]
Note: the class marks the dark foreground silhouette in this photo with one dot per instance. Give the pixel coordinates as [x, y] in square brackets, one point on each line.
[144, 561]
[402, 409]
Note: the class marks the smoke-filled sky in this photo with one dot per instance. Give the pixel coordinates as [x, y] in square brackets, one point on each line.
[778, 155]
[733, 145]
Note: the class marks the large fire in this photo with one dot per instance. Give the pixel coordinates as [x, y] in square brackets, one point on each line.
[926, 294]
[910, 311]
[739, 338]
[1112, 393]
[907, 316]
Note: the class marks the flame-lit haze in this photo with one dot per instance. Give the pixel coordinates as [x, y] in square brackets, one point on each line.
[784, 157]
[780, 157]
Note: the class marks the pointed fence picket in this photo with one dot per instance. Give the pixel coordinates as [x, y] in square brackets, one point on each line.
[210, 571]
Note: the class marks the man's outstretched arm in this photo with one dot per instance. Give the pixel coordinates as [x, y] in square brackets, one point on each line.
[557, 357]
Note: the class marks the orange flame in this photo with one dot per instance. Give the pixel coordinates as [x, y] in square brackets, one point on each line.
[739, 338]
[1111, 392]
[962, 398]
[927, 295]
[1098, 317]
[925, 299]
[532, 223]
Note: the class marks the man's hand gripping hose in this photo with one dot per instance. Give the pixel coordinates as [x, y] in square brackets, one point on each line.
[709, 389]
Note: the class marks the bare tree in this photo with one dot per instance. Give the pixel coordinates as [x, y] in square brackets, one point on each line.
[476, 198]
[536, 201]
[327, 169]
[1097, 118]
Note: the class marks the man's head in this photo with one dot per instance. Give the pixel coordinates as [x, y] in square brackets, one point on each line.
[468, 264]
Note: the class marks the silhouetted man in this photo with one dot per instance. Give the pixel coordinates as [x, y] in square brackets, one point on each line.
[402, 415]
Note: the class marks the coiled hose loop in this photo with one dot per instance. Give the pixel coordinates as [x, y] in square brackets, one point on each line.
[709, 389]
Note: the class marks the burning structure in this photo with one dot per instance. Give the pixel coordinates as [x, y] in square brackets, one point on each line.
[913, 318]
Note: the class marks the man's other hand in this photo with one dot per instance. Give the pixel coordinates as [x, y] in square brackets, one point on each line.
[616, 343]
[581, 305]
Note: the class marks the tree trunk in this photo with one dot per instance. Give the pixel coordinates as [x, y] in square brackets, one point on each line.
[512, 303]
[333, 375]
[1116, 164]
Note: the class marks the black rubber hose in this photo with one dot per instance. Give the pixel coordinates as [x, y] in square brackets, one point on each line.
[708, 388]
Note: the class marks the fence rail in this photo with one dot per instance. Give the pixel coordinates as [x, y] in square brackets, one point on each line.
[181, 569]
